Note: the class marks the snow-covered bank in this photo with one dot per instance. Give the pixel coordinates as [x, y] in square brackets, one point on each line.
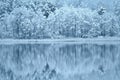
[114, 40]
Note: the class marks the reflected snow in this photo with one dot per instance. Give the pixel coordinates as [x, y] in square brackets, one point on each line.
[60, 62]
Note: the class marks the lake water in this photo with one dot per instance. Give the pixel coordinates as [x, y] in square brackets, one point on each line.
[60, 62]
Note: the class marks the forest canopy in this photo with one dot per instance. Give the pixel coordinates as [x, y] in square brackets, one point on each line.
[39, 19]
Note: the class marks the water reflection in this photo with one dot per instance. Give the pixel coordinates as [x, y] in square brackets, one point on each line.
[59, 62]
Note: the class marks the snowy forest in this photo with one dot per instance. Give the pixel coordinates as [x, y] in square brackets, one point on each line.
[55, 19]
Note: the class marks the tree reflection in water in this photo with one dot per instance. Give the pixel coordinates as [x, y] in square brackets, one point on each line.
[59, 62]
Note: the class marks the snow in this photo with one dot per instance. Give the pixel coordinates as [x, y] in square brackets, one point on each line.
[36, 19]
[114, 40]
[59, 40]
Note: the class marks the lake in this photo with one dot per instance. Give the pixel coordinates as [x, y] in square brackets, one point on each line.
[59, 61]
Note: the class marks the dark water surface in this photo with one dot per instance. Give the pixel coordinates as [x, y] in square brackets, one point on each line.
[60, 62]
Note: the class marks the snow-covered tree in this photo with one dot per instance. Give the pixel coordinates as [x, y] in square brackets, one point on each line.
[72, 22]
[108, 24]
[117, 7]
[48, 19]
[26, 24]
[117, 10]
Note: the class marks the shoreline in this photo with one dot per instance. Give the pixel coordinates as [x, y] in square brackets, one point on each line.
[113, 40]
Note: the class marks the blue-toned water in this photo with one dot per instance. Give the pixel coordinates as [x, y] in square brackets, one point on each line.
[60, 62]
